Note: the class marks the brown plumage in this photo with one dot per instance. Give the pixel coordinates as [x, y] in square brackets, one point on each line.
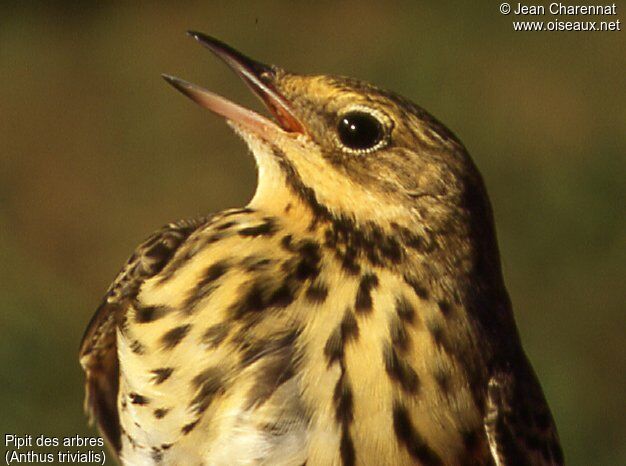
[353, 314]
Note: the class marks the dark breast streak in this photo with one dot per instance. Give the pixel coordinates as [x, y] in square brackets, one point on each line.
[275, 270]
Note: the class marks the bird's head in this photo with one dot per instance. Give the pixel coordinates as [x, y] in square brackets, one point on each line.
[343, 146]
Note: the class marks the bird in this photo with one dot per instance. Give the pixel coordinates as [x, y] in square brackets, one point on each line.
[353, 313]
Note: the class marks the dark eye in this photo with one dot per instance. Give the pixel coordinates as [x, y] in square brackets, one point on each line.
[360, 130]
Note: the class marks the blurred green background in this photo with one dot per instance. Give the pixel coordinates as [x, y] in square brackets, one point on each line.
[96, 151]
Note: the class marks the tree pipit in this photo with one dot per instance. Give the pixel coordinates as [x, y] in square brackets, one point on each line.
[354, 313]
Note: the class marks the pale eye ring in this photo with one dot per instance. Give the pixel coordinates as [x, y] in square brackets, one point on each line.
[361, 131]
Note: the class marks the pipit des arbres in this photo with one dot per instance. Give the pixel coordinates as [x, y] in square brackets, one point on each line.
[354, 313]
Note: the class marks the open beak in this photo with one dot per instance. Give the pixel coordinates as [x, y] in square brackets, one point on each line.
[258, 77]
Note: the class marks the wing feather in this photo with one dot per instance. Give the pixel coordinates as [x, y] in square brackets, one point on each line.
[518, 424]
[98, 349]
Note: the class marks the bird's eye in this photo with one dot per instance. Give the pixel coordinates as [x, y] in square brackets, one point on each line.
[360, 131]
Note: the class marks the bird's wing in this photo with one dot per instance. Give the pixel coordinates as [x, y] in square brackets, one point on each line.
[519, 427]
[98, 349]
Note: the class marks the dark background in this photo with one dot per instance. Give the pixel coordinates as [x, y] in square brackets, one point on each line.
[96, 151]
